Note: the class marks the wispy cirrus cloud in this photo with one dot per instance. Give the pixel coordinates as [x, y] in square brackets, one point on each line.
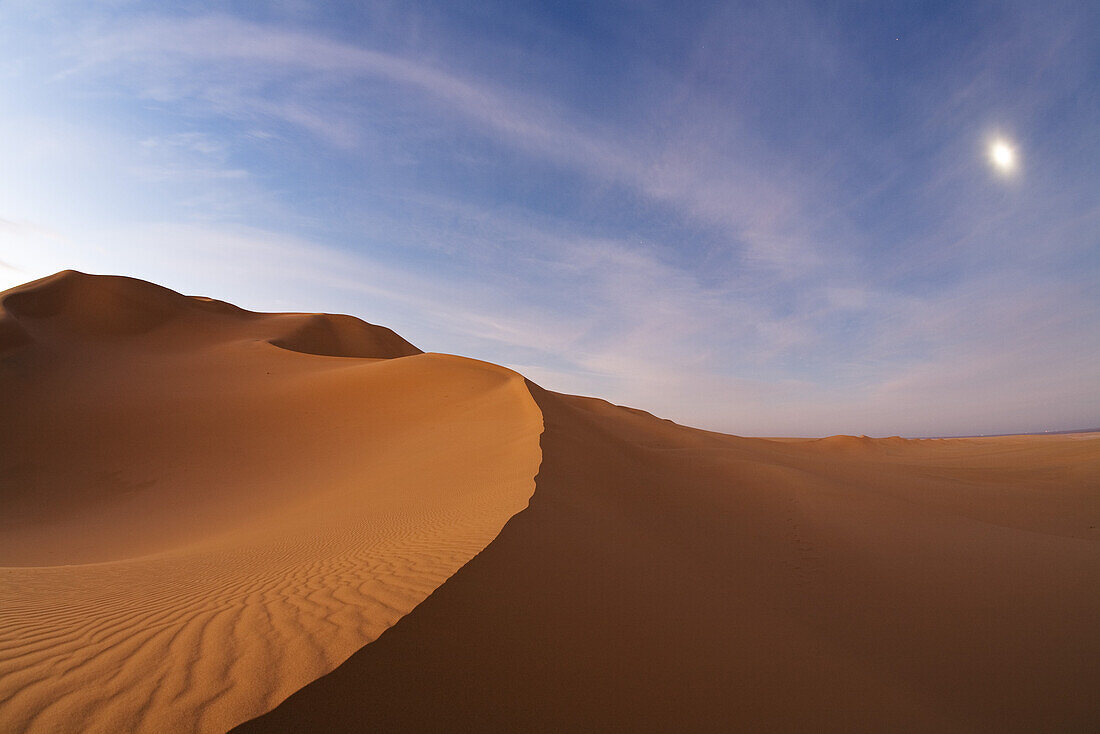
[705, 219]
[234, 65]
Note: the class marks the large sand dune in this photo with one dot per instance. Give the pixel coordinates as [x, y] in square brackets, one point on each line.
[667, 579]
[204, 522]
[201, 514]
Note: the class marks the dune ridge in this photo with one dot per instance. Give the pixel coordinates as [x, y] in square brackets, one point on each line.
[76, 305]
[670, 579]
[206, 508]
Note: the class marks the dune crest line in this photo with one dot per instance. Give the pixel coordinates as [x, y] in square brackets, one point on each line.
[208, 508]
[669, 579]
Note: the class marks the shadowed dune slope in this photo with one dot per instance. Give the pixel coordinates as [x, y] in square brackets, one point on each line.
[205, 508]
[668, 579]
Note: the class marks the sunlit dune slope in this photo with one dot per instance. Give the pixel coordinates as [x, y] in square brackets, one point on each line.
[206, 508]
[668, 579]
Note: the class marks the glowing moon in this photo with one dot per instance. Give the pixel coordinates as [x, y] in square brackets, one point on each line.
[1003, 156]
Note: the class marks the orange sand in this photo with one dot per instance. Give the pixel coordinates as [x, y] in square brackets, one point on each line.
[203, 522]
[669, 579]
[198, 522]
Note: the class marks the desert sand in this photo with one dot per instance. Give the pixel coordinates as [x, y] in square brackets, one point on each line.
[207, 511]
[204, 509]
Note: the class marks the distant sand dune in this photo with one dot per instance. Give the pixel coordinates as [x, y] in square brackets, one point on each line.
[198, 523]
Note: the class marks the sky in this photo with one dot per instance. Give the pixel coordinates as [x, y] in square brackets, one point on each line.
[763, 218]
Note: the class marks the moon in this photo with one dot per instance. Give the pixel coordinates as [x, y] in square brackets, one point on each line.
[1003, 156]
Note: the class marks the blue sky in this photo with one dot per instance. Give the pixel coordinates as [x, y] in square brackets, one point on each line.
[763, 218]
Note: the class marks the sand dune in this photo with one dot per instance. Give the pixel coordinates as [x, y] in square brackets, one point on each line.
[668, 579]
[208, 511]
[201, 514]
